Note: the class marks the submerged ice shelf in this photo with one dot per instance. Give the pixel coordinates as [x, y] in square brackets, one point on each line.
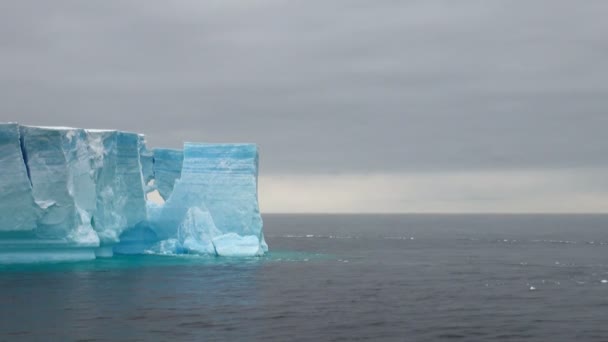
[73, 194]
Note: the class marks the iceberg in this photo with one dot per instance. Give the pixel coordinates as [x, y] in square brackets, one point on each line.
[215, 197]
[77, 194]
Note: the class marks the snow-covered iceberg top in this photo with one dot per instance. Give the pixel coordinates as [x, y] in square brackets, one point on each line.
[84, 193]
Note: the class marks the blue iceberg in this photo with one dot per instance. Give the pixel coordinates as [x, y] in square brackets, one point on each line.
[74, 194]
[216, 198]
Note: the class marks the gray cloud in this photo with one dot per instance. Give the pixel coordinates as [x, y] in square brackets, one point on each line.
[322, 86]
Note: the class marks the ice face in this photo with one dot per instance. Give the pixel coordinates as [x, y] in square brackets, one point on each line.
[167, 168]
[18, 211]
[120, 195]
[74, 194]
[221, 180]
[88, 184]
[59, 169]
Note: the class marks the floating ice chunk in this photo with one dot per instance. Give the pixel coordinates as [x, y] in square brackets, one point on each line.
[197, 231]
[234, 245]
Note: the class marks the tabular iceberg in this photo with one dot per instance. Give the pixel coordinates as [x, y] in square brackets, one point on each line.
[72, 194]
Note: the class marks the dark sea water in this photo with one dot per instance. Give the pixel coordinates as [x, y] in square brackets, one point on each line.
[336, 278]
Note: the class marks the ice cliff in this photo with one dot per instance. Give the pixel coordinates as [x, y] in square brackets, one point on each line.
[73, 194]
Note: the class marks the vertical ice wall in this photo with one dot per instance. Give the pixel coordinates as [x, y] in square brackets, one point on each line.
[120, 201]
[87, 184]
[19, 211]
[60, 173]
[215, 201]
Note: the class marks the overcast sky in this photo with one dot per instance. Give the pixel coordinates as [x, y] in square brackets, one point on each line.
[377, 106]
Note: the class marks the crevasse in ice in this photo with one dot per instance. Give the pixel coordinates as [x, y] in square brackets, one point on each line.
[167, 168]
[20, 212]
[57, 160]
[72, 194]
[146, 159]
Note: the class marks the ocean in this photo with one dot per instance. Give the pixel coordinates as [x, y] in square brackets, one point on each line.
[336, 278]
